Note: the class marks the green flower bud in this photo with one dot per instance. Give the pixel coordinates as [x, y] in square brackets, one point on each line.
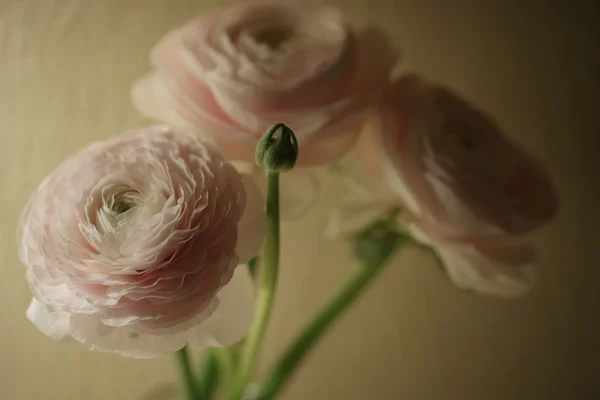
[277, 150]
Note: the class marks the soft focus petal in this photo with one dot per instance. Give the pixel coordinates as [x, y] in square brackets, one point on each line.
[231, 320]
[353, 215]
[233, 72]
[468, 177]
[152, 98]
[498, 271]
[252, 226]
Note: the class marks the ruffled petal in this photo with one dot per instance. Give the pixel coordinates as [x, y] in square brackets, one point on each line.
[89, 331]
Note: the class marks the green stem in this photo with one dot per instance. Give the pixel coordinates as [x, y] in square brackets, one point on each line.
[186, 376]
[344, 298]
[211, 374]
[267, 281]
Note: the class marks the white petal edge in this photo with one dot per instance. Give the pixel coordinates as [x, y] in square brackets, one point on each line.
[299, 193]
[468, 269]
[228, 324]
[53, 324]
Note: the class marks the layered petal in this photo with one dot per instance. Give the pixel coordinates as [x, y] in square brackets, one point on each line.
[232, 73]
[128, 243]
[454, 168]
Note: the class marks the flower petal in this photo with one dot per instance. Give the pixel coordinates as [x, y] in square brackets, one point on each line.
[300, 189]
[151, 97]
[53, 324]
[252, 226]
[89, 331]
[231, 320]
[353, 215]
[498, 270]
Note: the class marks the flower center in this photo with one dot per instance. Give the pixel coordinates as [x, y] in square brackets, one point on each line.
[273, 36]
[123, 204]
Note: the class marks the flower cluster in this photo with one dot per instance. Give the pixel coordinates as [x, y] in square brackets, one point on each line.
[468, 191]
[131, 246]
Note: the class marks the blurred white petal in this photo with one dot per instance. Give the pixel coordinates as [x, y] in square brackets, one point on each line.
[471, 269]
[299, 191]
[252, 226]
[53, 324]
[353, 215]
[230, 322]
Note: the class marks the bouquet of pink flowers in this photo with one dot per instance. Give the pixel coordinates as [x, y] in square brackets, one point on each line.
[167, 237]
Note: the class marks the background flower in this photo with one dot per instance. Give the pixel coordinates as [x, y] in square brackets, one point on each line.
[470, 192]
[232, 73]
[131, 246]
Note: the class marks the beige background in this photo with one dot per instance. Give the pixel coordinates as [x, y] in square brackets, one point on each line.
[65, 71]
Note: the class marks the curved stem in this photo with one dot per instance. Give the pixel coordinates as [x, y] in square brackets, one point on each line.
[296, 353]
[186, 375]
[267, 281]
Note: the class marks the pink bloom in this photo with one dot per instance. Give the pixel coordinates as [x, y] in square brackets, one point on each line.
[131, 246]
[232, 73]
[472, 193]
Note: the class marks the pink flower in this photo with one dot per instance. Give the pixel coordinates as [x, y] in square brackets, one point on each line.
[232, 73]
[472, 194]
[131, 246]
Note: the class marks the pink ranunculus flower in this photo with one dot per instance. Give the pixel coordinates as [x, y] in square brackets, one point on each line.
[471, 193]
[232, 73]
[131, 246]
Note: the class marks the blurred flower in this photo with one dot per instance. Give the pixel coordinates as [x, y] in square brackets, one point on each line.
[131, 246]
[232, 73]
[470, 193]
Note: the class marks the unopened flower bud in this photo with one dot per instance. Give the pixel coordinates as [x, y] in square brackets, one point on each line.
[277, 150]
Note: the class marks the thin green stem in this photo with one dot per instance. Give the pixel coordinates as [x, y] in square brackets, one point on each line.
[208, 380]
[267, 282]
[186, 375]
[299, 348]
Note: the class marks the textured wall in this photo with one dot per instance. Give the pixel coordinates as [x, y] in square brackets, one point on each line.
[65, 71]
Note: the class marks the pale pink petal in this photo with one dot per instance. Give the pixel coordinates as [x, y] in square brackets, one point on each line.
[454, 169]
[234, 72]
[300, 190]
[331, 144]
